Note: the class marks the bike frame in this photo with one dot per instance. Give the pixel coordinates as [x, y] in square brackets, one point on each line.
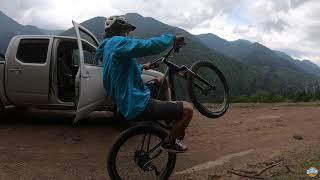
[183, 72]
[173, 69]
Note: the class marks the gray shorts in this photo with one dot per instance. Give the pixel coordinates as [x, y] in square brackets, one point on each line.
[161, 110]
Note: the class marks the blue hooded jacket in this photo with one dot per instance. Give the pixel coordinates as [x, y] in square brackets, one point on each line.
[122, 74]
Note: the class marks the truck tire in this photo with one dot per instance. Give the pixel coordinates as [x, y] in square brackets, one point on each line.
[21, 108]
[1, 107]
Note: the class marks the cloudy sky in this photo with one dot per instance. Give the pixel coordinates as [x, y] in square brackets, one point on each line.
[291, 26]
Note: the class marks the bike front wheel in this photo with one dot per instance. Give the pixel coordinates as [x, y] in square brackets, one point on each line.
[208, 89]
[136, 154]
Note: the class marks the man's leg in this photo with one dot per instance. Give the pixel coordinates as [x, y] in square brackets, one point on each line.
[178, 130]
[178, 111]
[180, 126]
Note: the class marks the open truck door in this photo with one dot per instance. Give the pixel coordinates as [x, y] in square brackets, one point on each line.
[89, 89]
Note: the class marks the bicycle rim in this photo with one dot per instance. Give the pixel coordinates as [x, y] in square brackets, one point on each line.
[127, 165]
[211, 102]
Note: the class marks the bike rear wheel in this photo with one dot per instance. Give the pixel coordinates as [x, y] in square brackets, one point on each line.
[136, 154]
[210, 102]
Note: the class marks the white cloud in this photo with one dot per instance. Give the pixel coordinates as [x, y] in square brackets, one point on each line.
[56, 14]
[288, 25]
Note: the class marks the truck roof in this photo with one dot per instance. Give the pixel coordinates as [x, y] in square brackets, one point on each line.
[45, 36]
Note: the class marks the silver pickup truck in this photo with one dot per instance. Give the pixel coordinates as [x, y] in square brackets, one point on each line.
[56, 72]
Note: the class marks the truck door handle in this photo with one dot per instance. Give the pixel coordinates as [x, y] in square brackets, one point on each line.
[86, 75]
[15, 70]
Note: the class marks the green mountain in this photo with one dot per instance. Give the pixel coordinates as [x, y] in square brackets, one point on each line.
[306, 65]
[51, 32]
[257, 54]
[235, 49]
[10, 28]
[245, 78]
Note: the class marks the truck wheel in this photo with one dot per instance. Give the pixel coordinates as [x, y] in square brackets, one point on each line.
[1, 107]
[21, 108]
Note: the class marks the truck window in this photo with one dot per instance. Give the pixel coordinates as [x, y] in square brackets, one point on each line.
[33, 50]
[83, 35]
[89, 54]
[1, 57]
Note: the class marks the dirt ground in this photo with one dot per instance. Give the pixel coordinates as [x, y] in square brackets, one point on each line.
[38, 144]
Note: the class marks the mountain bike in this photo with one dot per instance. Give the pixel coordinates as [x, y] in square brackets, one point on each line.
[136, 153]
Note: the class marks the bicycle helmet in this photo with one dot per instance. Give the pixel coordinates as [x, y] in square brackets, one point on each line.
[118, 23]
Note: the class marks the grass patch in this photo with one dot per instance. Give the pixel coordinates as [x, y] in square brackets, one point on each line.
[300, 163]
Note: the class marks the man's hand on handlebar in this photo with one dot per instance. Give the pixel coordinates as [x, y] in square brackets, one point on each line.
[151, 65]
[147, 66]
[178, 43]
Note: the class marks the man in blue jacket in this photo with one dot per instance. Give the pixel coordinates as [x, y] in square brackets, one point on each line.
[122, 79]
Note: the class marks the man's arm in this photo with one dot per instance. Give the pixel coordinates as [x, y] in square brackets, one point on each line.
[135, 48]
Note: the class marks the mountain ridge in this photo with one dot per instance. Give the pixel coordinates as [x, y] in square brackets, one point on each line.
[11, 28]
[256, 53]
